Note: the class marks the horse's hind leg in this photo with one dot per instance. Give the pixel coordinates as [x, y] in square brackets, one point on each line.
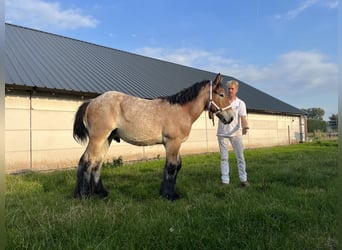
[89, 168]
[82, 189]
[96, 182]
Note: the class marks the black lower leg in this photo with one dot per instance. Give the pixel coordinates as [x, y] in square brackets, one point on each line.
[99, 189]
[168, 184]
[83, 188]
[89, 180]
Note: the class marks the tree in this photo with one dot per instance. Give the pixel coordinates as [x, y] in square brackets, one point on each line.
[315, 113]
[316, 125]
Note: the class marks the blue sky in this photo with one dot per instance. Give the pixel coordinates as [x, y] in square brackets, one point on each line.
[287, 49]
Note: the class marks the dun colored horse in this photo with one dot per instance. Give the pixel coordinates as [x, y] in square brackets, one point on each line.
[164, 120]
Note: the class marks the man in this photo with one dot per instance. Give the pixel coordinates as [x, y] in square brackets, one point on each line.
[233, 133]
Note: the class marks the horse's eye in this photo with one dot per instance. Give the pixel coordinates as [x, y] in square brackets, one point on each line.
[221, 94]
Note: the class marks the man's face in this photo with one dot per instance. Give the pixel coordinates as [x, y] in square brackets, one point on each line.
[232, 90]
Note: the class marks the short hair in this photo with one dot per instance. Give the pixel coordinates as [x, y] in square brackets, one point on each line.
[232, 82]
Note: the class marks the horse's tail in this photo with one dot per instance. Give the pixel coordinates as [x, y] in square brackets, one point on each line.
[80, 131]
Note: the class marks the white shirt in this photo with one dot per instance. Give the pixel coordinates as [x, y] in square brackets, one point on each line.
[234, 128]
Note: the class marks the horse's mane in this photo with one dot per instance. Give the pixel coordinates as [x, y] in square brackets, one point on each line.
[186, 95]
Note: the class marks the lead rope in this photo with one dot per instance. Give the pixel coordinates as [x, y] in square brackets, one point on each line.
[210, 101]
[210, 94]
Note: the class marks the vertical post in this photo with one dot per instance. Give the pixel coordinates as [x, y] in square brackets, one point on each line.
[339, 188]
[2, 123]
[144, 153]
[31, 153]
[302, 129]
[206, 131]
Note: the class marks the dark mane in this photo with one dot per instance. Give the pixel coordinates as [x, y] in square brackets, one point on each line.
[186, 95]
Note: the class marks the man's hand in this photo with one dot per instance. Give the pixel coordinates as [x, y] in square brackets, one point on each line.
[244, 124]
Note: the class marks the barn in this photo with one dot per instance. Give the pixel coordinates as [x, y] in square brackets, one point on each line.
[48, 76]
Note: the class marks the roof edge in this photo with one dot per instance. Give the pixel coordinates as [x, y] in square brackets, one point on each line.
[50, 91]
[276, 112]
[86, 95]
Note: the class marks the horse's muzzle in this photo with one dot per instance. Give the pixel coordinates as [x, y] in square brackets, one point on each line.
[223, 118]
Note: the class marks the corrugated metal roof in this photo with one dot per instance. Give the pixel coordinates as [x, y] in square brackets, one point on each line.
[43, 60]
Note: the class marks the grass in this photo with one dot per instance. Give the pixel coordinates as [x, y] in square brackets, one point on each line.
[291, 204]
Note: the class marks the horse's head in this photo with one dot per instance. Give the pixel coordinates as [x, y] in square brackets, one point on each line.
[219, 104]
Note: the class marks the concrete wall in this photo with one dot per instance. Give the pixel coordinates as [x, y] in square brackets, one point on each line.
[38, 134]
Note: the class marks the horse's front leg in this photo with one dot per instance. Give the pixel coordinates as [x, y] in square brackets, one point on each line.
[168, 185]
[172, 167]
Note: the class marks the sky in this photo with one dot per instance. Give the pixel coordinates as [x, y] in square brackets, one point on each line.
[288, 49]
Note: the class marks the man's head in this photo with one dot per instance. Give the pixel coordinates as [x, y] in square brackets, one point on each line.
[232, 88]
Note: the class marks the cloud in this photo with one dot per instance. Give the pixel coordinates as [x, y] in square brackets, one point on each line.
[42, 15]
[302, 78]
[182, 56]
[301, 71]
[299, 9]
[292, 14]
[186, 56]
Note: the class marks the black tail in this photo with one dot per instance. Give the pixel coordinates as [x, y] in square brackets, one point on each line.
[80, 131]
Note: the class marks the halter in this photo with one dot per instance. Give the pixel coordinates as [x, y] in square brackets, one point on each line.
[211, 102]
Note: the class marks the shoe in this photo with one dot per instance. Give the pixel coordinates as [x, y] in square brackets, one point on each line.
[244, 184]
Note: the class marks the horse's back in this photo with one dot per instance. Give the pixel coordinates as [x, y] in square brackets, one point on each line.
[136, 120]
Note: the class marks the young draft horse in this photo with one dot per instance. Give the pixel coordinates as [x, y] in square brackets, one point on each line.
[165, 120]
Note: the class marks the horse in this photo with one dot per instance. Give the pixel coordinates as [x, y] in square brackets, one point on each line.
[164, 120]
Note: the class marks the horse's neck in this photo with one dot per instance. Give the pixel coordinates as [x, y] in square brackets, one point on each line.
[196, 107]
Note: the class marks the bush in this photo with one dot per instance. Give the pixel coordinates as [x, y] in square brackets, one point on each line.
[118, 162]
[316, 125]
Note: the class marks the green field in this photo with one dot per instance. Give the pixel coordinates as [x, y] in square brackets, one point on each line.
[291, 204]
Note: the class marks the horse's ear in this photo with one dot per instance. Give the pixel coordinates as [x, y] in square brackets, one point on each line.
[218, 79]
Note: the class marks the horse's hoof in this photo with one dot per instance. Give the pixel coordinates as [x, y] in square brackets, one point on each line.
[172, 197]
[79, 195]
[102, 193]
